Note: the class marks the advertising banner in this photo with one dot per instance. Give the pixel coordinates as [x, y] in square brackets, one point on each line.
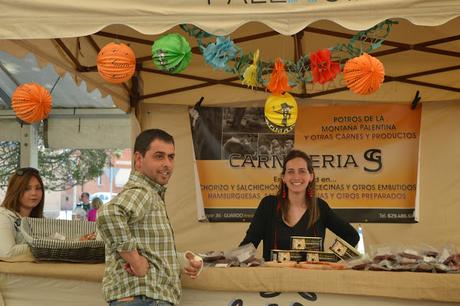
[365, 159]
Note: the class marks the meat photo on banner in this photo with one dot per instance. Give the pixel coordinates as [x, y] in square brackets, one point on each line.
[365, 159]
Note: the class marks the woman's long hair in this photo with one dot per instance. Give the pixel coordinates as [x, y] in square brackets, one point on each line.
[310, 194]
[17, 185]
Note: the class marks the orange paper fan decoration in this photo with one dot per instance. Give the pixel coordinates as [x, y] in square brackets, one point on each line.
[116, 63]
[31, 102]
[364, 74]
[278, 81]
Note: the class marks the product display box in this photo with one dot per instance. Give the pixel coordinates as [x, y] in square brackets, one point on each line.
[343, 250]
[306, 243]
[301, 255]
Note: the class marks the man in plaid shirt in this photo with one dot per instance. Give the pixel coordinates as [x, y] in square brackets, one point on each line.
[142, 265]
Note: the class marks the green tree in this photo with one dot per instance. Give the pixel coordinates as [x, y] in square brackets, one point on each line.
[60, 169]
[65, 168]
[9, 160]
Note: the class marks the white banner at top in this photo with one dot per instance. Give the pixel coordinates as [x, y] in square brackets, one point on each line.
[32, 19]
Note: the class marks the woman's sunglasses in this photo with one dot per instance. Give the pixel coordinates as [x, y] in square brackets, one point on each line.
[22, 171]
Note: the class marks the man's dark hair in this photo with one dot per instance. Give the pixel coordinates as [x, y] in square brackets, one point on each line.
[144, 139]
[84, 194]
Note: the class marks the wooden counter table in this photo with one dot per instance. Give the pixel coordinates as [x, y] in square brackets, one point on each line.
[51, 283]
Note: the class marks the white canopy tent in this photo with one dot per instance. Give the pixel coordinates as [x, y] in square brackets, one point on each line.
[421, 53]
[30, 19]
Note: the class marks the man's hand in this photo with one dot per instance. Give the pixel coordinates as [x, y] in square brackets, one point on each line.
[195, 264]
[136, 264]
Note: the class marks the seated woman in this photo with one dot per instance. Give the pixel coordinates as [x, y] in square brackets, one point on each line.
[24, 198]
[295, 210]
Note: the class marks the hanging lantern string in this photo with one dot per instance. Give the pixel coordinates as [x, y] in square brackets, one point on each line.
[299, 71]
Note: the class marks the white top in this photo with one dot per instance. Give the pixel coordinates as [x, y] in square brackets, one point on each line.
[12, 242]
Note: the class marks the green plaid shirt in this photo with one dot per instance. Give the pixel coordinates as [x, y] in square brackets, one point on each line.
[136, 219]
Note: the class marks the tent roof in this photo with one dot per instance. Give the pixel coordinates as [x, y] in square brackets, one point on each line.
[66, 94]
[416, 57]
[29, 19]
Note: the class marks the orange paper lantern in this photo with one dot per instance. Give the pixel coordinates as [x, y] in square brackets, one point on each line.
[116, 63]
[364, 74]
[31, 102]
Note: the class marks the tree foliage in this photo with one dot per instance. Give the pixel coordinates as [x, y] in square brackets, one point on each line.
[9, 160]
[60, 169]
[63, 169]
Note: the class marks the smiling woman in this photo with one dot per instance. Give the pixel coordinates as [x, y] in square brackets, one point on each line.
[24, 198]
[295, 211]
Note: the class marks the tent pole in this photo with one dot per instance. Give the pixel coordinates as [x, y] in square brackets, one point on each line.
[298, 53]
[29, 145]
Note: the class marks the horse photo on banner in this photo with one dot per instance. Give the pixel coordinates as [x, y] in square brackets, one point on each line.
[365, 159]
